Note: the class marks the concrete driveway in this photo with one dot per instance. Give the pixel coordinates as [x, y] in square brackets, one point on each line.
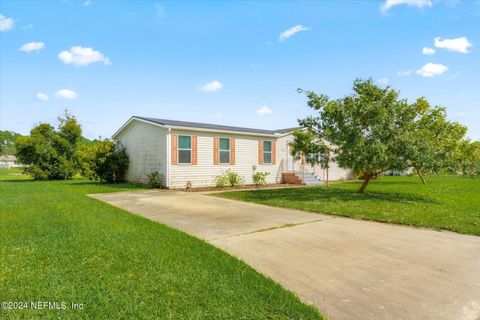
[349, 269]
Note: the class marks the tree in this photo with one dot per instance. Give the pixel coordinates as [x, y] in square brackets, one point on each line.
[373, 131]
[49, 153]
[307, 148]
[469, 158]
[430, 141]
[103, 160]
[7, 142]
[364, 128]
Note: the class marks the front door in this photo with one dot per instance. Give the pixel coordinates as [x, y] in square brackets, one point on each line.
[290, 160]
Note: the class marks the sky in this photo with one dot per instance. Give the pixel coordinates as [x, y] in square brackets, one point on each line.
[233, 63]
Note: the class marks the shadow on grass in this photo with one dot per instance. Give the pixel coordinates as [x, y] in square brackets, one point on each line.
[20, 180]
[400, 182]
[332, 193]
[121, 185]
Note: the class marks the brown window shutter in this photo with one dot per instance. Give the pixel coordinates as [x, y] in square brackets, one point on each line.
[260, 151]
[194, 150]
[215, 150]
[232, 151]
[274, 151]
[174, 144]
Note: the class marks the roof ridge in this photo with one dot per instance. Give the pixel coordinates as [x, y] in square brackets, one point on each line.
[202, 125]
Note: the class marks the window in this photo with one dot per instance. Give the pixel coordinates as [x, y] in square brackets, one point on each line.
[267, 151]
[224, 150]
[184, 149]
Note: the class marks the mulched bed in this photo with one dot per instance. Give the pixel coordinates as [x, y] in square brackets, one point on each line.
[246, 187]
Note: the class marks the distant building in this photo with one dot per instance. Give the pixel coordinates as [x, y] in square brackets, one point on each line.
[9, 162]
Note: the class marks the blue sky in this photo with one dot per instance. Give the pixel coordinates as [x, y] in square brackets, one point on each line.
[226, 62]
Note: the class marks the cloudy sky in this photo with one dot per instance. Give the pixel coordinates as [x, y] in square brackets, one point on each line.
[235, 63]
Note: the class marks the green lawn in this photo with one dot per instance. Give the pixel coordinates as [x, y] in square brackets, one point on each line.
[446, 202]
[57, 244]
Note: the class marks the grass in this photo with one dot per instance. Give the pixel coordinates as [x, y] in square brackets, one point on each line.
[58, 245]
[446, 202]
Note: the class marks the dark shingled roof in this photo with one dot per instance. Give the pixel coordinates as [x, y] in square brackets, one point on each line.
[177, 123]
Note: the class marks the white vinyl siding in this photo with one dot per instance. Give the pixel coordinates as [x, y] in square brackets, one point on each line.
[146, 146]
[246, 157]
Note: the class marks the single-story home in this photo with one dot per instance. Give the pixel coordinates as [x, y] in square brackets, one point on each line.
[190, 153]
[9, 161]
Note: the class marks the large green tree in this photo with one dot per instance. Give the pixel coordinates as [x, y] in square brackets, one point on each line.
[373, 130]
[468, 155]
[103, 160]
[49, 153]
[363, 128]
[430, 140]
[7, 142]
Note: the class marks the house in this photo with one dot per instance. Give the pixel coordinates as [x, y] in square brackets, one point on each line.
[8, 162]
[194, 153]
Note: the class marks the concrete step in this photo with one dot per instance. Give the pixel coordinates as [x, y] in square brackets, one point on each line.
[309, 178]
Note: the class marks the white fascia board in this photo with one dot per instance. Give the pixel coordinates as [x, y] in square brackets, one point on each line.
[130, 121]
[223, 131]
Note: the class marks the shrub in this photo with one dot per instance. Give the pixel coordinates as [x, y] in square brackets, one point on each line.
[154, 180]
[234, 179]
[259, 178]
[221, 181]
[228, 179]
[104, 160]
[49, 153]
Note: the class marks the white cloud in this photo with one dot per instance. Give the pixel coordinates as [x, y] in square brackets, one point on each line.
[461, 44]
[215, 85]
[388, 4]
[428, 51]
[32, 46]
[81, 56]
[263, 110]
[404, 73]
[42, 96]
[383, 81]
[5, 23]
[86, 3]
[290, 32]
[432, 69]
[66, 94]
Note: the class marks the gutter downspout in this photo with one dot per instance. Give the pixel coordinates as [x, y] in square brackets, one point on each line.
[169, 156]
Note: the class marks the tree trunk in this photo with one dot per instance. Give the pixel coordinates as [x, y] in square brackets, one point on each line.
[420, 175]
[327, 177]
[364, 184]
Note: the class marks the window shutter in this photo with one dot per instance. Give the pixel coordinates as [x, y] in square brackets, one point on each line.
[194, 150]
[174, 144]
[260, 151]
[274, 151]
[215, 150]
[232, 151]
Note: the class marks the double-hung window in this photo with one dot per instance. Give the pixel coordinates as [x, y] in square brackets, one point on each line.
[224, 150]
[184, 149]
[267, 151]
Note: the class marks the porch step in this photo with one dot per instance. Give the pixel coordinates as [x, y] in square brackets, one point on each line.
[309, 178]
[291, 178]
